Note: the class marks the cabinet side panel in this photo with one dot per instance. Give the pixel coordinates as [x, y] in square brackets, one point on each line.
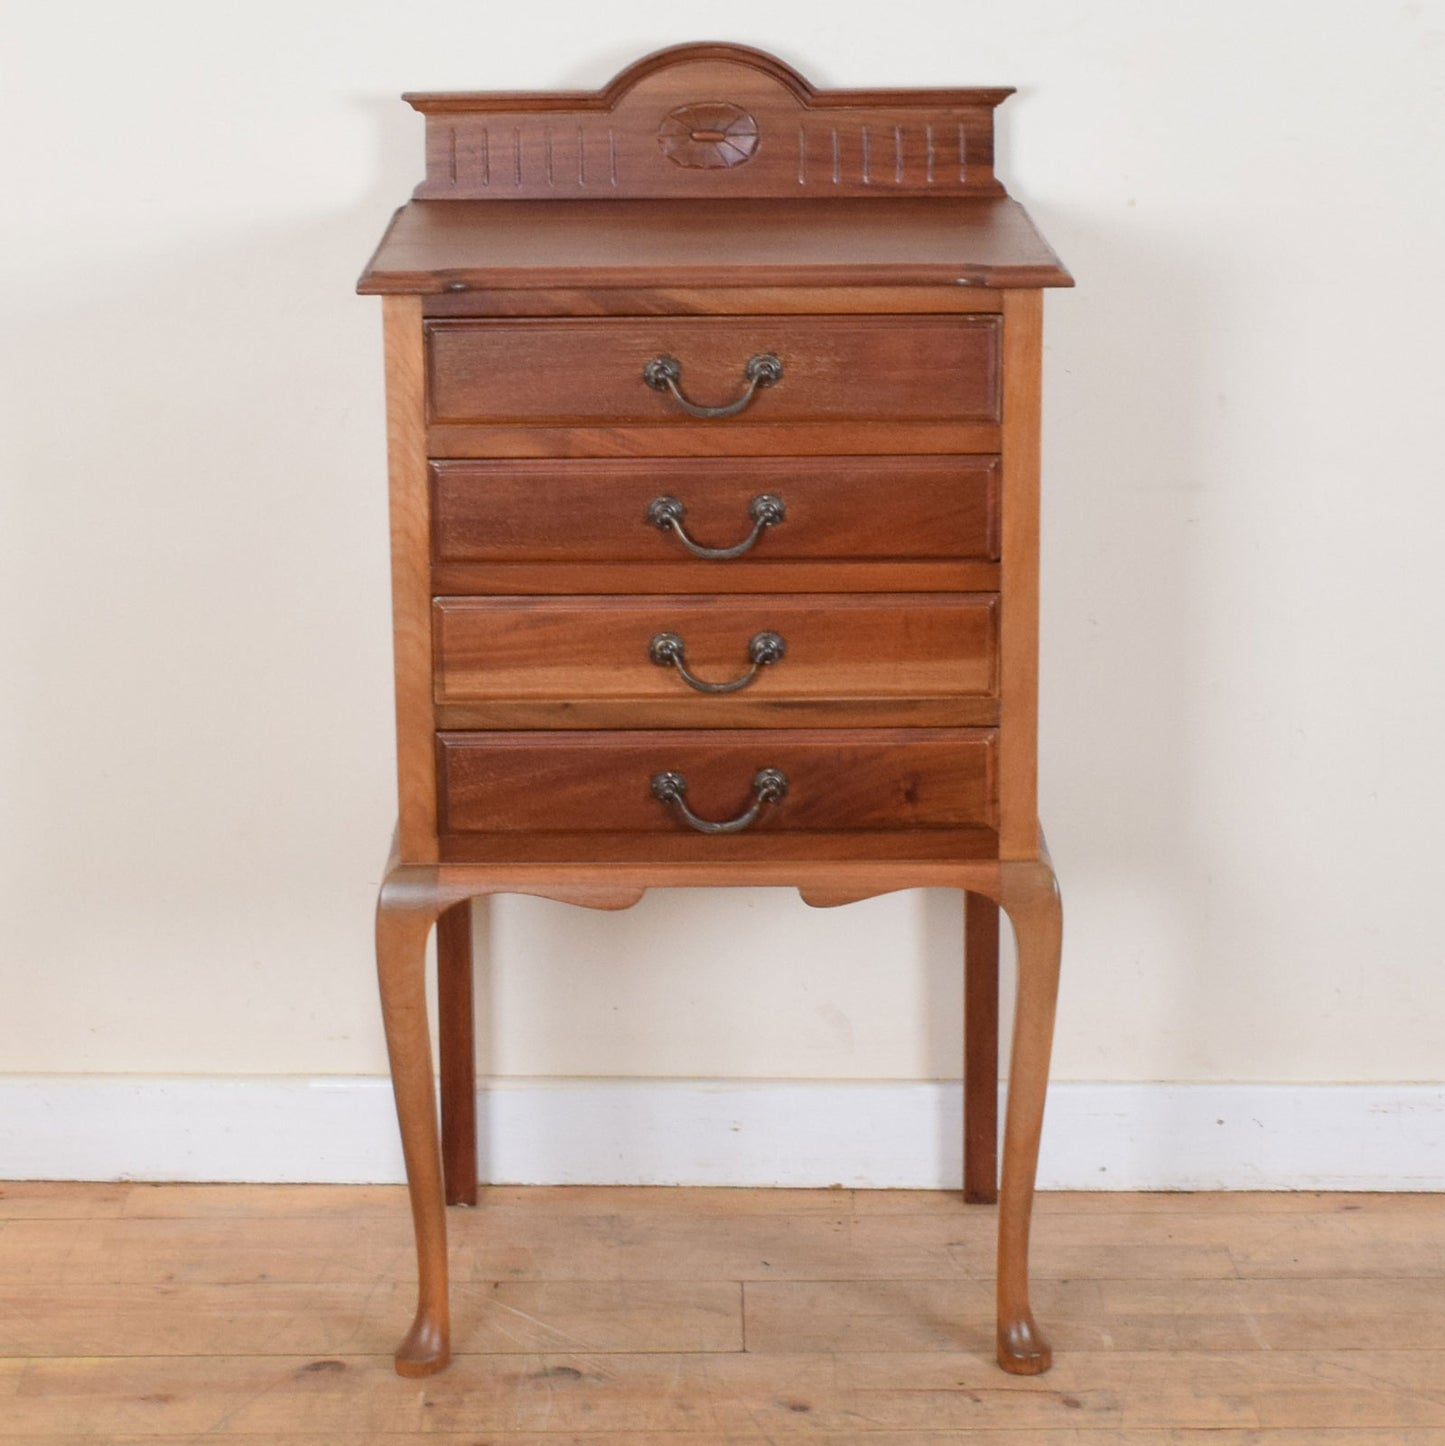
[1019, 611]
[410, 578]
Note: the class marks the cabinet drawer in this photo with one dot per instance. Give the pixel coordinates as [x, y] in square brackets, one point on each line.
[589, 371]
[863, 509]
[870, 780]
[607, 662]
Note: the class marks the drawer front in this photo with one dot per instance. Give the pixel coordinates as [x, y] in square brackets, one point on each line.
[879, 509]
[590, 371]
[783, 649]
[868, 780]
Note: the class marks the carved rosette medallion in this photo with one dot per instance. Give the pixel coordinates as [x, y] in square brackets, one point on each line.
[713, 135]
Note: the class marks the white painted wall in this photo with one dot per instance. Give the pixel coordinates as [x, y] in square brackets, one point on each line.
[1243, 613]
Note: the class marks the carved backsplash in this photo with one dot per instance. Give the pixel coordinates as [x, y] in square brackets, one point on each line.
[708, 120]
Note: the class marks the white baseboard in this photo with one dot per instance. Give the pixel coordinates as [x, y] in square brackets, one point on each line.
[699, 1132]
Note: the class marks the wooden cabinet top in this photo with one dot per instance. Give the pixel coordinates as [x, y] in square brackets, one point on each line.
[709, 165]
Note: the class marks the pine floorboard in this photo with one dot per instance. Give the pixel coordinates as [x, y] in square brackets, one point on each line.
[135, 1314]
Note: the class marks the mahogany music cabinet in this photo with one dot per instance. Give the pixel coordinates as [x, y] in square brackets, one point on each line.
[713, 436]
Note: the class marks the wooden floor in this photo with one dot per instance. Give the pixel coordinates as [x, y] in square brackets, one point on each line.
[141, 1313]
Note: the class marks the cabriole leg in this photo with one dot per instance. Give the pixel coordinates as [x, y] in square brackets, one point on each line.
[1030, 897]
[402, 924]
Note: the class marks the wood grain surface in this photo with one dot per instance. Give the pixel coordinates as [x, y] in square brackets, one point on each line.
[588, 371]
[135, 1314]
[980, 1049]
[753, 439]
[459, 245]
[558, 657]
[687, 576]
[409, 504]
[457, 1053]
[709, 119]
[1019, 615]
[857, 780]
[594, 510]
[707, 301]
[906, 858]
